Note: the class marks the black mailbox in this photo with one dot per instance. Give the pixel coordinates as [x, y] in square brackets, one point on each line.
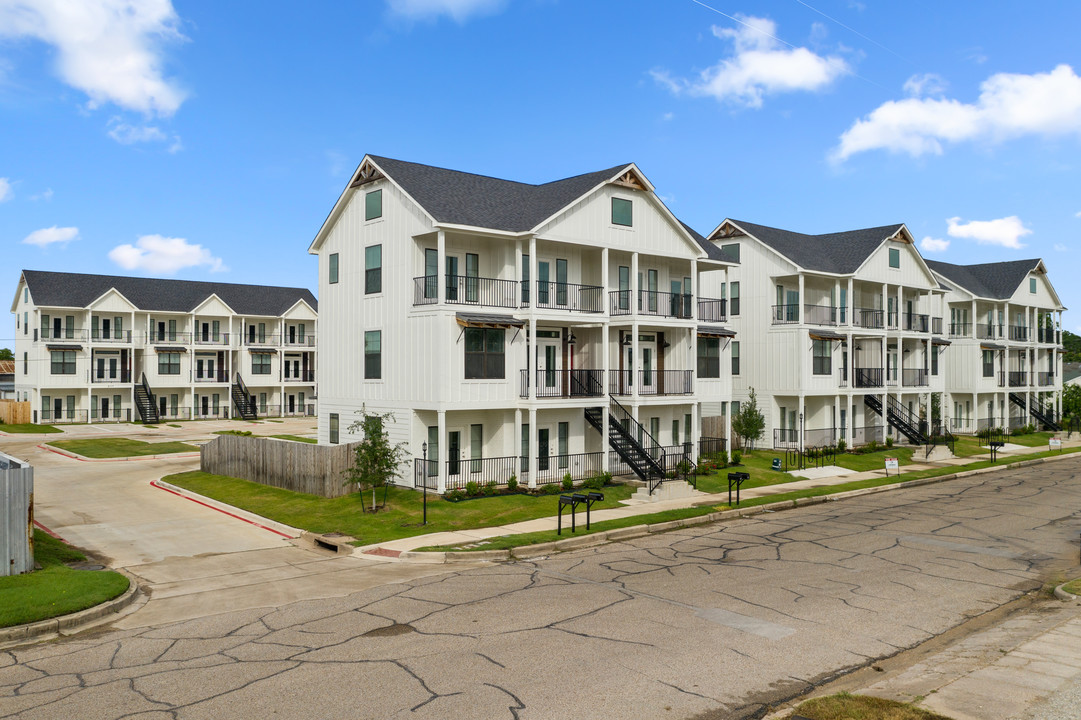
[735, 480]
[572, 501]
[591, 498]
[995, 445]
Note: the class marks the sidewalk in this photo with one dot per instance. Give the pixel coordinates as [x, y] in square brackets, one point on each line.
[392, 547]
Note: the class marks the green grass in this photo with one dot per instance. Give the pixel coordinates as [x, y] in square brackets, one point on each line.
[861, 707]
[296, 438]
[401, 519]
[121, 447]
[174, 425]
[1073, 587]
[28, 428]
[55, 589]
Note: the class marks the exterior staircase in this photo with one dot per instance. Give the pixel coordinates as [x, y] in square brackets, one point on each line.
[899, 418]
[1037, 411]
[242, 400]
[649, 466]
[145, 402]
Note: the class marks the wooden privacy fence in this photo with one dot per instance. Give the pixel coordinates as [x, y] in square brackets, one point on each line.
[16, 516]
[301, 467]
[14, 413]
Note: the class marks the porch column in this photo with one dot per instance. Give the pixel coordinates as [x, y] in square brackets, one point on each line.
[727, 407]
[531, 341]
[604, 432]
[516, 441]
[441, 271]
[441, 425]
[533, 449]
[885, 386]
[604, 280]
[850, 303]
[635, 379]
[695, 438]
[802, 416]
[837, 418]
[802, 300]
[635, 290]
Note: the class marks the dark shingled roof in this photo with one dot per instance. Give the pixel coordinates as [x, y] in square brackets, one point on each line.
[839, 253]
[58, 289]
[711, 250]
[996, 281]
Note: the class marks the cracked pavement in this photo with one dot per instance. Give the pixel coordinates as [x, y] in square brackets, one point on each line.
[717, 621]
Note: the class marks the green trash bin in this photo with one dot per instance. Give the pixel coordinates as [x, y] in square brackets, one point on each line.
[777, 463]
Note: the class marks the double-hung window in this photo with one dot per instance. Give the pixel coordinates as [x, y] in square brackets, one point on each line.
[63, 362]
[373, 354]
[334, 428]
[260, 363]
[733, 298]
[169, 363]
[709, 357]
[988, 363]
[735, 358]
[373, 269]
[485, 356]
[823, 355]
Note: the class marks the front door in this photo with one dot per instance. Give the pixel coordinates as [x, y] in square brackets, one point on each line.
[292, 334]
[106, 330]
[58, 409]
[162, 406]
[543, 278]
[105, 408]
[454, 447]
[549, 360]
[647, 350]
[57, 329]
[206, 404]
[543, 449]
[292, 404]
[452, 278]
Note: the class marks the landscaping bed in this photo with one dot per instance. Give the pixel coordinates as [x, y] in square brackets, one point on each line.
[121, 447]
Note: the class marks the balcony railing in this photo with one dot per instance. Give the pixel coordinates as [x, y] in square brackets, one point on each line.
[785, 314]
[302, 377]
[1046, 379]
[264, 340]
[120, 376]
[300, 341]
[664, 304]
[892, 319]
[566, 296]
[712, 310]
[1018, 378]
[564, 383]
[1046, 335]
[820, 314]
[785, 437]
[915, 323]
[650, 382]
[960, 329]
[868, 377]
[914, 377]
[988, 331]
[219, 378]
[1001, 378]
[63, 334]
[842, 377]
[463, 290]
[868, 318]
[1019, 333]
[169, 338]
[936, 326]
[209, 338]
[115, 336]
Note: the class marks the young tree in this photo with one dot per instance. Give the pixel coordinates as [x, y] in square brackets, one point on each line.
[377, 461]
[6, 354]
[1071, 401]
[748, 423]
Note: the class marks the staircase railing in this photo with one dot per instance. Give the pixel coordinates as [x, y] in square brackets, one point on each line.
[655, 465]
[242, 398]
[152, 416]
[902, 418]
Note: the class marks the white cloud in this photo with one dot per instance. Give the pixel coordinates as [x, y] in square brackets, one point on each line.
[130, 134]
[458, 10]
[1009, 106]
[925, 84]
[6, 193]
[1059, 247]
[46, 195]
[157, 254]
[1005, 232]
[760, 66]
[51, 236]
[934, 245]
[110, 49]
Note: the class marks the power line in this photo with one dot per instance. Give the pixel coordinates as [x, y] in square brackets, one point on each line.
[854, 31]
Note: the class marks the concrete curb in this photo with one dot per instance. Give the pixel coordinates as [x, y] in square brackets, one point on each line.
[83, 458]
[527, 552]
[75, 622]
[1063, 595]
[232, 511]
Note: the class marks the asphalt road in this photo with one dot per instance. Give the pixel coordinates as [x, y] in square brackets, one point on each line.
[715, 620]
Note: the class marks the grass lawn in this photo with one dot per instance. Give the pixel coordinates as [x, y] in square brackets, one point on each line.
[1073, 587]
[248, 433]
[296, 438]
[121, 447]
[401, 519]
[861, 707]
[28, 428]
[55, 589]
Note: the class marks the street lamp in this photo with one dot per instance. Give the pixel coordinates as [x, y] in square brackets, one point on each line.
[424, 477]
[801, 432]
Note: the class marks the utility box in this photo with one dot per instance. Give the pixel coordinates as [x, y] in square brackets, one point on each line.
[16, 516]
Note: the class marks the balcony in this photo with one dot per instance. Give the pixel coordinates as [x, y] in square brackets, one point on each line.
[62, 334]
[1018, 333]
[564, 383]
[209, 338]
[785, 314]
[104, 377]
[211, 378]
[1045, 379]
[299, 341]
[893, 319]
[462, 290]
[712, 310]
[842, 377]
[1018, 378]
[566, 296]
[821, 314]
[261, 340]
[655, 303]
[936, 326]
[302, 377]
[914, 377]
[1046, 335]
[960, 329]
[650, 382]
[915, 323]
[169, 338]
[868, 378]
[116, 336]
[868, 318]
[988, 331]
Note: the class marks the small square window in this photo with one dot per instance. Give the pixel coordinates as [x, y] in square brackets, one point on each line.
[373, 205]
[1032, 285]
[333, 263]
[622, 212]
[895, 257]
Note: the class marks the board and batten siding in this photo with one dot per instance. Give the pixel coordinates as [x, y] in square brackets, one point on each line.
[16, 516]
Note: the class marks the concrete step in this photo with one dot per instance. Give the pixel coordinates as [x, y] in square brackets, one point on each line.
[938, 454]
[670, 490]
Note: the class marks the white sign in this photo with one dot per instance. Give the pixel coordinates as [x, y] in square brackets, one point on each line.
[892, 464]
[1056, 443]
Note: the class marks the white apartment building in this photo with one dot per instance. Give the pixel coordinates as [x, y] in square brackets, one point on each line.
[1005, 367]
[840, 335]
[522, 329]
[99, 348]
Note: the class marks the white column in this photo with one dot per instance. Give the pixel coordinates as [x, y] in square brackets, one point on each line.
[728, 424]
[635, 379]
[441, 424]
[694, 289]
[604, 433]
[441, 275]
[801, 303]
[635, 290]
[516, 441]
[696, 434]
[531, 341]
[850, 303]
[533, 449]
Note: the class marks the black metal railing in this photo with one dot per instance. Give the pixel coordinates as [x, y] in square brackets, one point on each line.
[960, 329]
[711, 445]
[651, 382]
[264, 340]
[988, 331]
[712, 310]
[553, 468]
[301, 377]
[821, 314]
[893, 319]
[1046, 335]
[306, 340]
[1046, 378]
[63, 334]
[120, 376]
[665, 304]
[868, 377]
[913, 377]
[209, 338]
[169, 338]
[120, 336]
[868, 318]
[785, 314]
[566, 296]
[936, 326]
[1018, 378]
[915, 322]
[481, 471]
[842, 377]
[892, 377]
[785, 437]
[1019, 333]
[467, 290]
[563, 383]
[64, 416]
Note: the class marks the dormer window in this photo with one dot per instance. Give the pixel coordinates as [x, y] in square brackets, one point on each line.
[622, 212]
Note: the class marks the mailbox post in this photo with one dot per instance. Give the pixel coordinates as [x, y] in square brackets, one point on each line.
[568, 500]
[591, 498]
[735, 479]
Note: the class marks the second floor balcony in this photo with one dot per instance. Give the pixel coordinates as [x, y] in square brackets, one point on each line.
[1045, 379]
[650, 382]
[959, 329]
[552, 383]
[872, 377]
[1019, 333]
[651, 302]
[915, 322]
[988, 331]
[914, 377]
[1017, 378]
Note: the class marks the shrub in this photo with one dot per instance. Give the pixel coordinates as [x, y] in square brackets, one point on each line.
[568, 483]
[683, 467]
[241, 433]
[455, 495]
[841, 446]
[889, 442]
[736, 457]
[489, 488]
[722, 458]
[553, 489]
[598, 481]
[472, 489]
[512, 483]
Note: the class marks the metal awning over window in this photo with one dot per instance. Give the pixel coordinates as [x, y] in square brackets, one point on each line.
[485, 320]
[168, 348]
[715, 331]
[257, 351]
[63, 347]
[940, 341]
[825, 335]
[992, 346]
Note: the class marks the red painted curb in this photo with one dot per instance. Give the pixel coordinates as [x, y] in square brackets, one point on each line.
[48, 532]
[154, 483]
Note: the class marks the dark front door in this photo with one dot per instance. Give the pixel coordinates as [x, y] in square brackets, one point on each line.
[162, 406]
[206, 332]
[542, 449]
[104, 408]
[454, 446]
[206, 404]
[292, 334]
[58, 409]
[292, 404]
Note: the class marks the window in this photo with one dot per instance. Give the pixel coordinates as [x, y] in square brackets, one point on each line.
[373, 354]
[1032, 285]
[373, 205]
[988, 363]
[735, 358]
[334, 428]
[622, 212]
[333, 268]
[476, 448]
[687, 428]
[169, 363]
[26, 363]
[45, 327]
[26, 294]
[733, 299]
[562, 440]
[624, 287]
[709, 357]
[26, 325]
[934, 359]
[823, 354]
[675, 431]
[730, 252]
[484, 354]
[260, 364]
[63, 362]
[895, 257]
[373, 269]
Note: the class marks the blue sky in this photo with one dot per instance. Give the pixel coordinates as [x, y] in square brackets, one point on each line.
[208, 140]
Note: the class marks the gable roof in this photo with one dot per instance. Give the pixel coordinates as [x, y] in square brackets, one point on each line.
[59, 289]
[841, 253]
[995, 281]
[7, 367]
